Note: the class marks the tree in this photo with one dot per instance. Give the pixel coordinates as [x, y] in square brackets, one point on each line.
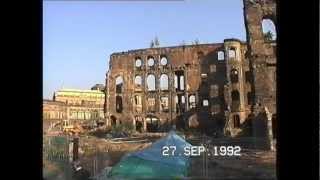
[156, 42]
[196, 41]
[268, 36]
[152, 44]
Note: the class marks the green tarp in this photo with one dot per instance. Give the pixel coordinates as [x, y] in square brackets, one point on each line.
[151, 164]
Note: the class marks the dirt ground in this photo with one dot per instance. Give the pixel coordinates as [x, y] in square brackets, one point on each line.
[252, 164]
[97, 153]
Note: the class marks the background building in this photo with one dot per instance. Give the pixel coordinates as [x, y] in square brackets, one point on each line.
[74, 105]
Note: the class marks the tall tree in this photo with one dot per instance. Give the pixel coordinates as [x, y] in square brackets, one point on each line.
[156, 42]
[268, 36]
[151, 44]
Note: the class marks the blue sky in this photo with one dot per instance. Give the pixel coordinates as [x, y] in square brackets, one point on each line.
[79, 36]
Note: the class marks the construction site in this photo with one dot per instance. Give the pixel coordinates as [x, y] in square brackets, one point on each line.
[211, 95]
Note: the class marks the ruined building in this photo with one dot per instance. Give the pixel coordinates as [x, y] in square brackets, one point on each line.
[225, 87]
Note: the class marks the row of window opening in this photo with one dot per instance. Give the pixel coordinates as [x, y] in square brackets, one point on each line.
[151, 61]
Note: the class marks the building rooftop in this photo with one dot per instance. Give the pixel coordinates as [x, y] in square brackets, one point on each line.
[80, 91]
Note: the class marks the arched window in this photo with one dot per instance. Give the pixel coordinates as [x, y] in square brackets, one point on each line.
[163, 61]
[181, 82]
[119, 84]
[150, 61]
[138, 62]
[151, 82]
[220, 55]
[234, 77]
[164, 82]
[176, 81]
[119, 107]
[269, 30]
[138, 80]
[232, 52]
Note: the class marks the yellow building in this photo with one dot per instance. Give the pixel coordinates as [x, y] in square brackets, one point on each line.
[82, 104]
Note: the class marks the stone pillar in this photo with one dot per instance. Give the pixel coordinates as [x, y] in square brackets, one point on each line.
[144, 124]
[134, 123]
[270, 133]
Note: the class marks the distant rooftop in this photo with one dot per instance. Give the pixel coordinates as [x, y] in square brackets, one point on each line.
[79, 90]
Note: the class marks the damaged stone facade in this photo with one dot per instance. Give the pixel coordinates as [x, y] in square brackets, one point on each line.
[218, 87]
[262, 57]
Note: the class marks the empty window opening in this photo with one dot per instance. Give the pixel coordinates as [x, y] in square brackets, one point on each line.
[151, 82]
[205, 102]
[183, 99]
[119, 84]
[215, 109]
[139, 126]
[139, 123]
[138, 103]
[181, 83]
[236, 121]
[213, 68]
[192, 101]
[164, 104]
[150, 61]
[153, 124]
[204, 75]
[119, 107]
[235, 96]
[220, 56]
[214, 90]
[232, 53]
[234, 76]
[180, 103]
[250, 98]
[269, 30]
[164, 82]
[176, 81]
[138, 81]
[163, 61]
[179, 80]
[151, 104]
[113, 121]
[248, 76]
[138, 62]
